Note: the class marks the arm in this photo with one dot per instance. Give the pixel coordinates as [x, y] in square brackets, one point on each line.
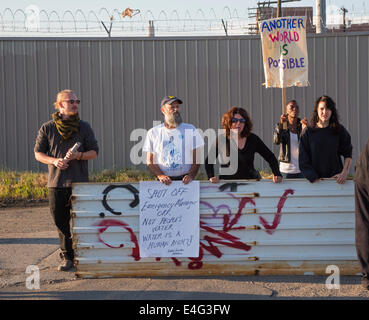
[89, 155]
[60, 163]
[154, 168]
[269, 156]
[345, 149]
[42, 147]
[279, 135]
[304, 124]
[193, 170]
[305, 159]
[89, 144]
[341, 177]
[209, 167]
[150, 160]
[92, 154]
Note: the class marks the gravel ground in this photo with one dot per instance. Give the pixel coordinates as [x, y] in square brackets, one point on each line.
[28, 237]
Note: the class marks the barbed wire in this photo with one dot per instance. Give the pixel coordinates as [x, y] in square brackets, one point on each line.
[230, 21]
[79, 21]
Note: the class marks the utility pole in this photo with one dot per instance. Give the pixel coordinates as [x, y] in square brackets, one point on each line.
[344, 11]
[279, 8]
[284, 98]
[320, 16]
[151, 29]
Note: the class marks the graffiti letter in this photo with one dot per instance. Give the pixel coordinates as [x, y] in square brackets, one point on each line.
[129, 187]
[105, 224]
[277, 218]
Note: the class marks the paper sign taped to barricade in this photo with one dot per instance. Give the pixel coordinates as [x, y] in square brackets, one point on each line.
[169, 219]
[285, 55]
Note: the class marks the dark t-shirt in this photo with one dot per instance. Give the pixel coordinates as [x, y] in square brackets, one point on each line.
[246, 155]
[320, 152]
[50, 142]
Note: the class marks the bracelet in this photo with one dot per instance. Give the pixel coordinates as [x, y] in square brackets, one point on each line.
[80, 158]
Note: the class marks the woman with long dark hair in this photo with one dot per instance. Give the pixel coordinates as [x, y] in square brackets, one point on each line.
[323, 143]
[239, 139]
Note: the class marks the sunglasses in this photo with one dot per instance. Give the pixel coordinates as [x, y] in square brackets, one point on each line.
[235, 120]
[71, 101]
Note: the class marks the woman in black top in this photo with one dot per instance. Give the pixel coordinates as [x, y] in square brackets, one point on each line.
[238, 140]
[323, 143]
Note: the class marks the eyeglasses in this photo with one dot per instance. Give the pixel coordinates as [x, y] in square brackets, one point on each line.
[71, 101]
[235, 120]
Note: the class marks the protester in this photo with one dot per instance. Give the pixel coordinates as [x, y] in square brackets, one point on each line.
[245, 143]
[53, 146]
[323, 143]
[173, 146]
[287, 134]
[362, 213]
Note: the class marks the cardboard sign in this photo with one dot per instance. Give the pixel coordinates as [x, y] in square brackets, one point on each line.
[284, 52]
[169, 219]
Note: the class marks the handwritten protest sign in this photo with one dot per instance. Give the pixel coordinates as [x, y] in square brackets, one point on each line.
[169, 219]
[284, 52]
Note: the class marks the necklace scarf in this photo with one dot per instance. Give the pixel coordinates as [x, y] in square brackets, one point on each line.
[66, 127]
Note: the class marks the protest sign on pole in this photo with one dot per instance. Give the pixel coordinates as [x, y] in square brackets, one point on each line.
[284, 52]
[169, 219]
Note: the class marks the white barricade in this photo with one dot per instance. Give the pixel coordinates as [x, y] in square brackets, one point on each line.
[246, 227]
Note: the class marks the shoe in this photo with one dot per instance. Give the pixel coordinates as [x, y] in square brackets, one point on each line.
[365, 282]
[66, 265]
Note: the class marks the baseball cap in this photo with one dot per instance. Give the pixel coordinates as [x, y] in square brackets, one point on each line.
[170, 99]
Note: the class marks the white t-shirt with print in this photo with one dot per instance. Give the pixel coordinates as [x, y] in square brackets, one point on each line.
[172, 148]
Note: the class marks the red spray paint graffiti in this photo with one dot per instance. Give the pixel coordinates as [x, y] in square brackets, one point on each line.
[270, 228]
[105, 224]
[222, 237]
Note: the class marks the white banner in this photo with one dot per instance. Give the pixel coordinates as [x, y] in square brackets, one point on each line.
[284, 52]
[169, 219]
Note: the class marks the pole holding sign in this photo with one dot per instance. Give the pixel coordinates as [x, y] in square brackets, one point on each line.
[284, 52]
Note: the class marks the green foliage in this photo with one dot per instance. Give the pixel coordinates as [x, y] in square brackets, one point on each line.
[120, 175]
[31, 186]
[22, 185]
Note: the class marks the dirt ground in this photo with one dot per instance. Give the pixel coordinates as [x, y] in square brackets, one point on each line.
[28, 237]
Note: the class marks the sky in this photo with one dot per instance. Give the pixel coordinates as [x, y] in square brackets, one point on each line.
[155, 6]
[196, 11]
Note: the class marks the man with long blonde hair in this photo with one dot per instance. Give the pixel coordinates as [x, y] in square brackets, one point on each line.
[54, 147]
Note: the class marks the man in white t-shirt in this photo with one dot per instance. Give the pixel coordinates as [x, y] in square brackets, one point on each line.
[173, 145]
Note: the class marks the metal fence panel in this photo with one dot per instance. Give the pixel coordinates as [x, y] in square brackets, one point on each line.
[122, 80]
[256, 228]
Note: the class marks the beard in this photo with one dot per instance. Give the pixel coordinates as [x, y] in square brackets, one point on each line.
[173, 119]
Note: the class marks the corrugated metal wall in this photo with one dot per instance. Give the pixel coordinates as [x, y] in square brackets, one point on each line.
[121, 83]
[256, 227]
